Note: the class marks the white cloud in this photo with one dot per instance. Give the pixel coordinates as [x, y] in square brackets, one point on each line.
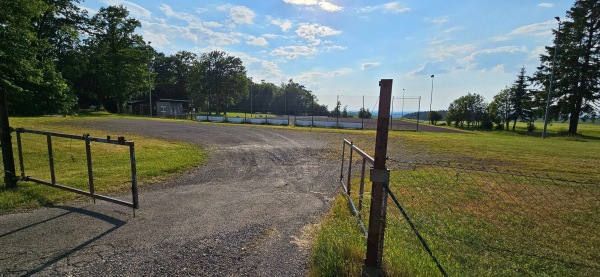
[502, 49]
[431, 67]
[315, 77]
[196, 33]
[169, 12]
[443, 52]
[391, 7]
[542, 29]
[335, 47]
[324, 5]
[545, 5]
[135, 10]
[312, 32]
[498, 69]
[364, 66]
[293, 52]
[536, 52]
[241, 15]
[285, 25]
[437, 20]
[158, 40]
[453, 29]
[212, 24]
[437, 41]
[329, 6]
[301, 2]
[258, 41]
[261, 69]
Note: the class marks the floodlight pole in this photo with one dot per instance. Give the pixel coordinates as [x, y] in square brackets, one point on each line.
[544, 133]
[149, 80]
[431, 96]
[402, 113]
[251, 97]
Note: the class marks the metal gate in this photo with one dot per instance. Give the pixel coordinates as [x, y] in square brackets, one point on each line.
[88, 140]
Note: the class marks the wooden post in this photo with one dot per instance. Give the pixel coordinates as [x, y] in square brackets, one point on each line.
[379, 178]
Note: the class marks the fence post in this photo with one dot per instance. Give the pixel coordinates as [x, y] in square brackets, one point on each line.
[88, 156]
[349, 186]
[379, 178]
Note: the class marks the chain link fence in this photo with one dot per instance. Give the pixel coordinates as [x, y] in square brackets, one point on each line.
[329, 111]
[452, 219]
[471, 220]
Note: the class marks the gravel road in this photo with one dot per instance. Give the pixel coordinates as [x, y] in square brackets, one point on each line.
[245, 213]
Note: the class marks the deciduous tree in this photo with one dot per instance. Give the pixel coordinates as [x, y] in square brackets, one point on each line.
[218, 79]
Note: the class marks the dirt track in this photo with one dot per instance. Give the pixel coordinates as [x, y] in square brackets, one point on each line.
[240, 214]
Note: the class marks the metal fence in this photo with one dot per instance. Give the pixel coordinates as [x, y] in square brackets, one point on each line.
[319, 111]
[75, 161]
[459, 220]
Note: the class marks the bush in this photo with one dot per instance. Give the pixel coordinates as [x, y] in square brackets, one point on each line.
[487, 125]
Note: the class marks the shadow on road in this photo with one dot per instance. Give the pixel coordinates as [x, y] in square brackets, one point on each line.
[116, 224]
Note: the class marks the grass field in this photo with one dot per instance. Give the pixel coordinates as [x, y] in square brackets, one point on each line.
[339, 247]
[481, 226]
[156, 160]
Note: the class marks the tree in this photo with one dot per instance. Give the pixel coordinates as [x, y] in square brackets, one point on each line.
[521, 100]
[470, 108]
[336, 111]
[120, 57]
[218, 79]
[171, 74]
[366, 114]
[18, 66]
[500, 109]
[434, 117]
[576, 87]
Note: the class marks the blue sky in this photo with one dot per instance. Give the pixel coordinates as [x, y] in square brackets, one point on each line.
[344, 47]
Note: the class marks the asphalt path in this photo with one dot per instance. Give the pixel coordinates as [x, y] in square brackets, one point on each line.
[245, 212]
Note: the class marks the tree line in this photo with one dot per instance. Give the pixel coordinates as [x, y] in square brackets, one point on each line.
[575, 79]
[55, 58]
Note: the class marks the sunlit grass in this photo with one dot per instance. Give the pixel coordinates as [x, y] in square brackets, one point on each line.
[475, 229]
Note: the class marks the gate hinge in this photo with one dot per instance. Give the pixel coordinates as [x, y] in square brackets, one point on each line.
[380, 175]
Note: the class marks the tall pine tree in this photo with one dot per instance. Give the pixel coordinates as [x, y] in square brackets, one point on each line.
[577, 70]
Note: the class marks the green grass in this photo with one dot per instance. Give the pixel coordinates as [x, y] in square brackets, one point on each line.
[479, 227]
[156, 160]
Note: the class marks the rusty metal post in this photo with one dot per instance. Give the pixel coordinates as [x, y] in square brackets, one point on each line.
[343, 155]
[134, 187]
[51, 159]
[349, 187]
[419, 113]
[20, 150]
[380, 178]
[362, 185]
[88, 154]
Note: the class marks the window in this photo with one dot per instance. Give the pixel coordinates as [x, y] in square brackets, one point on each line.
[163, 109]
